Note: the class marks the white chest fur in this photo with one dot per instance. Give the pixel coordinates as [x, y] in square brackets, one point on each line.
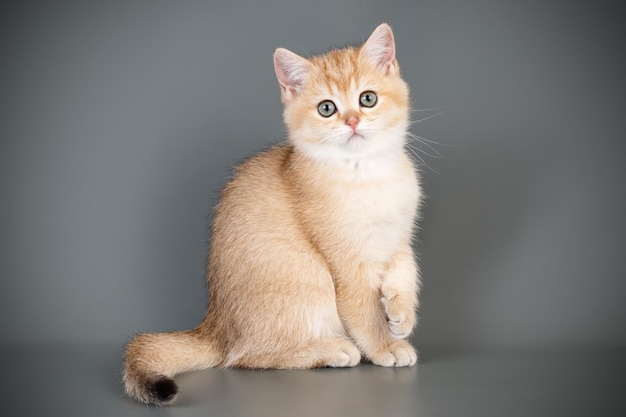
[372, 207]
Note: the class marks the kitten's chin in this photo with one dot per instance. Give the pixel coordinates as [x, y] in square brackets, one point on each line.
[355, 142]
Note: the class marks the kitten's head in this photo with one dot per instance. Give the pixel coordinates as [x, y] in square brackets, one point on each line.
[347, 103]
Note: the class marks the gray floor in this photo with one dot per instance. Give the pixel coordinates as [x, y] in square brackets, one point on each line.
[84, 381]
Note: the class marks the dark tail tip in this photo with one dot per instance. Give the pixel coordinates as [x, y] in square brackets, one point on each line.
[163, 390]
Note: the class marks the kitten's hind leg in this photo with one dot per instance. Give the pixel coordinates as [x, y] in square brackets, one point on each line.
[319, 353]
[339, 353]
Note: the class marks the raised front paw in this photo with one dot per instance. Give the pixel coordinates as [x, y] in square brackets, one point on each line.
[401, 316]
[398, 353]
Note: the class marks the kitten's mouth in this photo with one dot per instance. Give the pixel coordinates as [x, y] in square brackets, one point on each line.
[355, 136]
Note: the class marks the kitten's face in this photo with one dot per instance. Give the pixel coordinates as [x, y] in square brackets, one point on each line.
[347, 103]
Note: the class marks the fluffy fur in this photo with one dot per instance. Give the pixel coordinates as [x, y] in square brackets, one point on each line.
[310, 262]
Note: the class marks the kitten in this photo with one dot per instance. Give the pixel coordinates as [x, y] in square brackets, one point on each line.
[310, 261]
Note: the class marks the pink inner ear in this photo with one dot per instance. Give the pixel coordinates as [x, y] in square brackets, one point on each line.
[291, 70]
[380, 47]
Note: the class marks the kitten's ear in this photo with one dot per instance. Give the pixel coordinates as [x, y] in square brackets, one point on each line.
[291, 71]
[380, 49]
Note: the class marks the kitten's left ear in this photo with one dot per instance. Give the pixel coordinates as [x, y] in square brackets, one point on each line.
[380, 49]
[291, 71]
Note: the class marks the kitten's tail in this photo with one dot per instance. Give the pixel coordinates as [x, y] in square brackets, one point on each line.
[152, 359]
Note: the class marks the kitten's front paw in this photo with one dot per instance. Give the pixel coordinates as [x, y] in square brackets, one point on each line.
[400, 317]
[398, 353]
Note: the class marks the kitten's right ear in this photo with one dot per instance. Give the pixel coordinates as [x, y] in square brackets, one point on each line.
[291, 71]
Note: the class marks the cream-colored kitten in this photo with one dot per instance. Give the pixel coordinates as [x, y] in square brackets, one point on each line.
[310, 262]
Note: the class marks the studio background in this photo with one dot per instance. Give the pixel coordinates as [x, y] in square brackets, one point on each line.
[121, 120]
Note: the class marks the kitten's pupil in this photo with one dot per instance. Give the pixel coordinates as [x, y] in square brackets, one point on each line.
[368, 99]
[326, 108]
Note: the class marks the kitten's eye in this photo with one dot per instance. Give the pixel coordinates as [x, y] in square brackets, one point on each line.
[368, 99]
[326, 108]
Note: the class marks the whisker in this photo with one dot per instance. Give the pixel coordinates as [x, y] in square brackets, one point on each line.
[282, 142]
[427, 117]
[294, 164]
[326, 138]
[436, 156]
[421, 140]
[421, 160]
[439, 108]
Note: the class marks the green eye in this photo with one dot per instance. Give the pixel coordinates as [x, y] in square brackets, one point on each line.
[326, 108]
[368, 99]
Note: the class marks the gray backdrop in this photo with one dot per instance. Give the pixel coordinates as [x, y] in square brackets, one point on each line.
[120, 120]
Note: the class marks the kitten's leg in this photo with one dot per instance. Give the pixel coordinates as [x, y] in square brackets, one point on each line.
[399, 291]
[363, 315]
[334, 352]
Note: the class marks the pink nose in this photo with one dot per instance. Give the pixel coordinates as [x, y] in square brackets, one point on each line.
[352, 122]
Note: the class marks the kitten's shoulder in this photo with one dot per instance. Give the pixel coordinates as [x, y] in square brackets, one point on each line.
[262, 172]
[272, 159]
